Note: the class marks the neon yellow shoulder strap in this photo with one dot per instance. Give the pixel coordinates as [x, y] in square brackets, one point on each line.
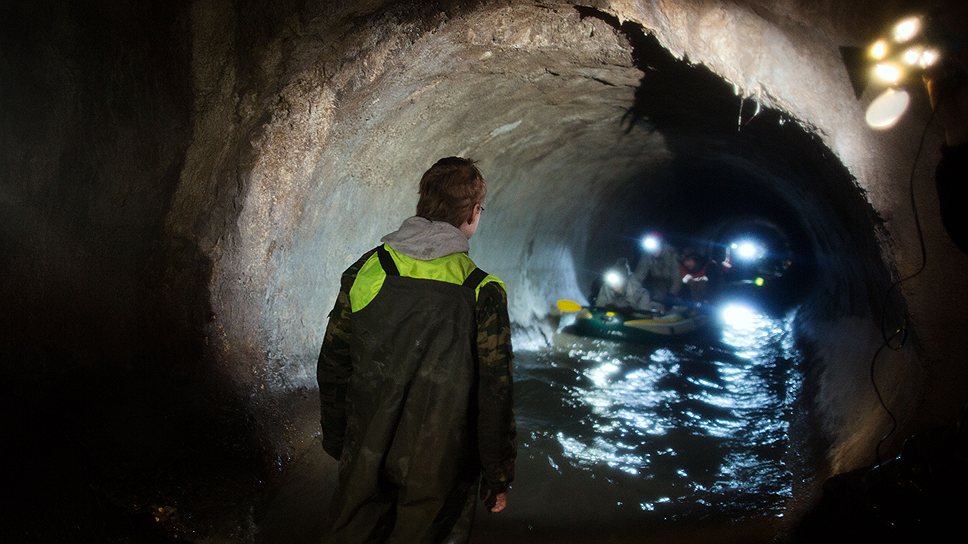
[455, 268]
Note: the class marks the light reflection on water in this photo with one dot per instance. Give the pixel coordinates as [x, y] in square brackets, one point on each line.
[692, 430]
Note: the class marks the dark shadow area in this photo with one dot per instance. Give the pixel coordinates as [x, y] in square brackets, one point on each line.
[917, 496]
[118, 427]
[143, 455]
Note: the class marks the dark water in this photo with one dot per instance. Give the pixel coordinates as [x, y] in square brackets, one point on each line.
[620, 434]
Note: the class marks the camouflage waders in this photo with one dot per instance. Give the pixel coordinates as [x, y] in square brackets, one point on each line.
[409, 463]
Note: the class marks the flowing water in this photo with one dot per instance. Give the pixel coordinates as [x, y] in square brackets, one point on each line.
[615, 434]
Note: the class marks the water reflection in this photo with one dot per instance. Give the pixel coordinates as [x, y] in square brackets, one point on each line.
[684, 431]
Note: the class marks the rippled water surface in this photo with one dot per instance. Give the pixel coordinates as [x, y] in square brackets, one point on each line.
[693, 431]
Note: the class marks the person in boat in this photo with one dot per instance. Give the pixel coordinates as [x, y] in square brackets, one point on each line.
[621, 291]
[694, 275]
[658, 269]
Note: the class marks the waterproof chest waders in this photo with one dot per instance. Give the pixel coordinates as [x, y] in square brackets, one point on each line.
[409, 468]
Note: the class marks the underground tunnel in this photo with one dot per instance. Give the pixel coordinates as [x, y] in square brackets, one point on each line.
[184, 184]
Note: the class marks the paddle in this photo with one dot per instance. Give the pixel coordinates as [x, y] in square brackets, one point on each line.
[568, 306]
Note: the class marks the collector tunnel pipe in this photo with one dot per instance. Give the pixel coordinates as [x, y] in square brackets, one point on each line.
[543, 98]
[546, 98]
[307, 128]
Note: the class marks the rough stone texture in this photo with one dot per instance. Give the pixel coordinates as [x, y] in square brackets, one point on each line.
[182, 185]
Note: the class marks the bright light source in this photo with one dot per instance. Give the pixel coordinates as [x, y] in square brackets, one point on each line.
[888, 72]
[887, 108]
[759, 281]
[651, 243]
[614, 279]
[912, 55]
[929, 57]
[748, 250]
[906, 29]
[878, 50]
[738, 316]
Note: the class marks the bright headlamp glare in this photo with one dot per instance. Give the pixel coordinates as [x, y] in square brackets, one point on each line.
[614, 279]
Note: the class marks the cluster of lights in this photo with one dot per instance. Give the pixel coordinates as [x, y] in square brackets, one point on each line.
[896, 60]
[893, 56]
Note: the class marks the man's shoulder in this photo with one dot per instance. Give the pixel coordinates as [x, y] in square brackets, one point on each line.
[490, 281]
[492, 291]
[354, 268]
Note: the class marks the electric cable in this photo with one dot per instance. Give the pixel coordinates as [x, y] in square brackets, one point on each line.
[902, 331]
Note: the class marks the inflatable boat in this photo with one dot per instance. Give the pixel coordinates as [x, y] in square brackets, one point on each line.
[635, 327]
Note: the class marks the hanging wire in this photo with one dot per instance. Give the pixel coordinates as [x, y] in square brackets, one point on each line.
[896, 340]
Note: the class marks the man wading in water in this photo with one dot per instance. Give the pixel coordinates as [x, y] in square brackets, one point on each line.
[415, 376]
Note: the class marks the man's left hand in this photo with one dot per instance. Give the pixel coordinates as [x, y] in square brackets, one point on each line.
[495, 502]
[500, 502]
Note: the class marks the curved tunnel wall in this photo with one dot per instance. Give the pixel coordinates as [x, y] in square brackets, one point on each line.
[307, 129]
[539, 95]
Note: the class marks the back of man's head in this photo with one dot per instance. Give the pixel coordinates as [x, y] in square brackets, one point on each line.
[449, 191]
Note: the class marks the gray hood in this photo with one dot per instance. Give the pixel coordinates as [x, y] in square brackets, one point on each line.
[424, 239]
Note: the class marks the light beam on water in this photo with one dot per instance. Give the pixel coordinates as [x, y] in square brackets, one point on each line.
[677, 431]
